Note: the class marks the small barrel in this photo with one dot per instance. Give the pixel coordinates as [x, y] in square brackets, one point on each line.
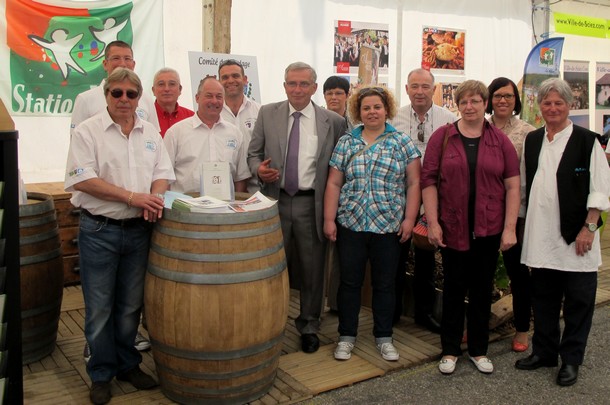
[42, 279]
[216, 301]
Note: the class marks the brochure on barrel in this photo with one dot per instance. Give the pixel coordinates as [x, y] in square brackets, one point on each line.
[207, 204]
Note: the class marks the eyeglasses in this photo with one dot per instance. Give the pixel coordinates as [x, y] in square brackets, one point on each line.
[294, 85]
[118, 93]
[506, 97]
[367, 91]
[420, 132]
[464, 103]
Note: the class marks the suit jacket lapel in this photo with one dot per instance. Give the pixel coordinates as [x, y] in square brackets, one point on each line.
[282, 129]
[322, 128]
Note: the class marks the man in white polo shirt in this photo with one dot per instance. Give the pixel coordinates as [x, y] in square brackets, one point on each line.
[238, 109]
[206, 137]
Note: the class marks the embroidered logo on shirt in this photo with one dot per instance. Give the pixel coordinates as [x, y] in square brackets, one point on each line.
[141, 113]
[76, 172]
[249, 123]
[232, 143]
[151, 146]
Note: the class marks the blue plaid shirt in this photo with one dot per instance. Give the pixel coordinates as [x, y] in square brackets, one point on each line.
[373, 196]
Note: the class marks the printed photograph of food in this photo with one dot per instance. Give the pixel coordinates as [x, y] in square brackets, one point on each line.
[443, 49]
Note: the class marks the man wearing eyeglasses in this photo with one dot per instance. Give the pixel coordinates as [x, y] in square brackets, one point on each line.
[238, 109]
[167, 88]
[90, 102]
[117, 171]
[420, 119]
[291, 146]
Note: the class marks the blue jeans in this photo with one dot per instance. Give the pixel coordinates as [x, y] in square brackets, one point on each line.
[113, 263]
[355, 248]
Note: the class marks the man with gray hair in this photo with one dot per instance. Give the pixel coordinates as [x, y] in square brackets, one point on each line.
[117, 171]
[291, 146]
[566, 181]
[167, 88]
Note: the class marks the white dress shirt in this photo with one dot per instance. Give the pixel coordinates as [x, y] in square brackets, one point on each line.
[308, 146]
[543, 245]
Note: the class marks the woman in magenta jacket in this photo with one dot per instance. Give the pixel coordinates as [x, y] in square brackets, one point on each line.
[470, 188]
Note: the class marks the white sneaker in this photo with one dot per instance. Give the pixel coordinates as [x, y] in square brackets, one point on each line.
[484, 365]
[344, 350]
[447, 365]
[141, 343]
[388, 351]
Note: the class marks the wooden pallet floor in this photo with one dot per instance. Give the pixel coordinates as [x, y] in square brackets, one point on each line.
[61, 378]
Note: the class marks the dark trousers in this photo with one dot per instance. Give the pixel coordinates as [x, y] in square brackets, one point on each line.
[468, 273]
[577, 291]
[298, 219]
[520, 286]
[355, 248]
[424, 290]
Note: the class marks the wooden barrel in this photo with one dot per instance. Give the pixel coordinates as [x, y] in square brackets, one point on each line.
[216, 301]
[42, 278]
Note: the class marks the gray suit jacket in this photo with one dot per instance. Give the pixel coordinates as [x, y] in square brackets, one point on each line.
[270, 140]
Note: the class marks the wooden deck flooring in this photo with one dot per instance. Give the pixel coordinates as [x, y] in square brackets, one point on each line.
[61, 378]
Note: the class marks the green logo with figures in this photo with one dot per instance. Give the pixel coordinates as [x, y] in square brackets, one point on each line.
[66, 60]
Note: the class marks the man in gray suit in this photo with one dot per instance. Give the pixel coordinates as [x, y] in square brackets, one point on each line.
[290, 148]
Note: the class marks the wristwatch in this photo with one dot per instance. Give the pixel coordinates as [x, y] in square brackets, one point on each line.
[591, 226]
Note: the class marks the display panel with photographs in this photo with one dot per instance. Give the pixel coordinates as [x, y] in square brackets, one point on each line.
[443, 50]
[361, 50]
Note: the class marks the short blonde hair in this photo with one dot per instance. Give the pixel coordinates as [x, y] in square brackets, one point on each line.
[355, 101]
[471, 87]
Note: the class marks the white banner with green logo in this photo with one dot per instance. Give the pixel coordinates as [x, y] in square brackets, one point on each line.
[54, 50]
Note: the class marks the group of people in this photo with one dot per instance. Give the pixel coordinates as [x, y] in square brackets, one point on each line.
[353, 173]
[119, 167]
[488, 186]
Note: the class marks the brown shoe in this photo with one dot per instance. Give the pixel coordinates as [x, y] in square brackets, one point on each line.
[138, 379]
[99, 393]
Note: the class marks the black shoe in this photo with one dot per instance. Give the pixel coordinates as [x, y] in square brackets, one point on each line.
[428, 322]
[532, 362]
[138, 379]
[310, 342]
[568, 374]
[99, 393]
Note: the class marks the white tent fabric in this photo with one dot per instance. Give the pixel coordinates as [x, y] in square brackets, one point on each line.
[498, 39]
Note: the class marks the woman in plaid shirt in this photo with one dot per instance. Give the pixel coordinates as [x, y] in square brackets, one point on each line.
[371, 203]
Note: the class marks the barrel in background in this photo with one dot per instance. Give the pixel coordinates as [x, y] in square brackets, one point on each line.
[41, 271]
[216, 301]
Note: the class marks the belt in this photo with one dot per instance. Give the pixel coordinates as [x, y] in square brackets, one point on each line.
[302, 193]
[111, 221]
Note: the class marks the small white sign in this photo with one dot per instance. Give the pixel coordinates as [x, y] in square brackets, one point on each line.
[216, 180]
